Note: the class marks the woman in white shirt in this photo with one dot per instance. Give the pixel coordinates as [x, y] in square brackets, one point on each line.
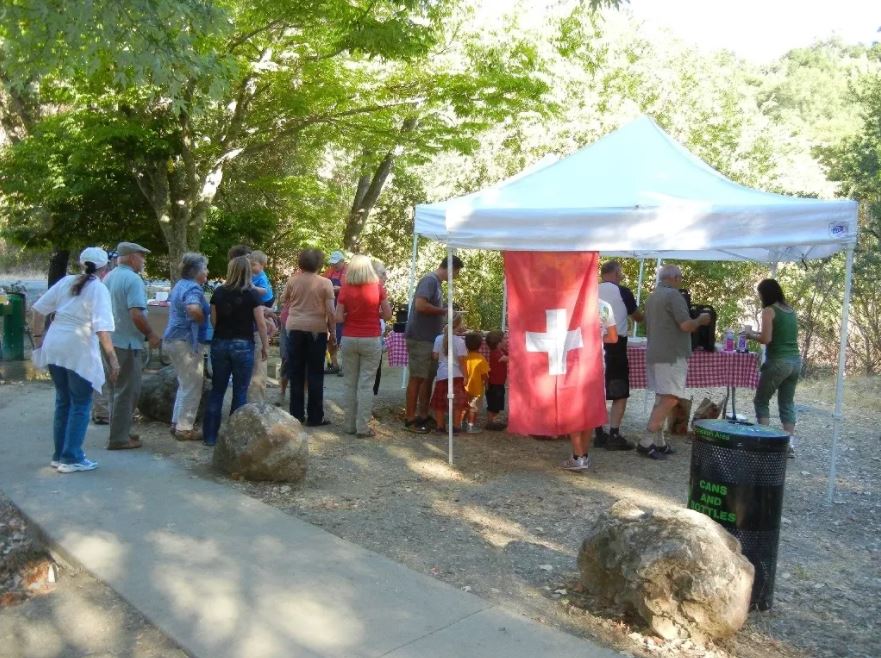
[83, 319]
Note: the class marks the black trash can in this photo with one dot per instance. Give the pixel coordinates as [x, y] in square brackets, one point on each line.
[737, 476]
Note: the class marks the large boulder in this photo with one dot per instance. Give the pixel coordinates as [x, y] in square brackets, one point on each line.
[157, 395]
[679, 570]
[262, 442]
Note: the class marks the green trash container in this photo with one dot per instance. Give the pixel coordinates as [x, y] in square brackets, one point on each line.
[13, 326]
[738, 473]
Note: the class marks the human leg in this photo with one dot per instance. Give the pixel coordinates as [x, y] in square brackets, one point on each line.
[77, 419]
[62, 409]
[126, 391]
[786, 397]
[351, 359]
[316, 347]
[370, 353]
[773, 373]
[221, 367]
[297, 373]
[242, 363]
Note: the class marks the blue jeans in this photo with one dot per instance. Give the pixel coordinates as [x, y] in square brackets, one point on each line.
[780, 376]
[73, 402]
[228, 358]
[306, 351]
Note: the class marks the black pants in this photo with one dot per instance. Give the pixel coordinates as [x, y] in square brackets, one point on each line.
[306, 351]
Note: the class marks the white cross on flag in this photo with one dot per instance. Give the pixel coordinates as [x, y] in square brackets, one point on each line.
[555, 375]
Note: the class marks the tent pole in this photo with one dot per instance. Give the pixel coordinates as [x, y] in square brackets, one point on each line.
[839, 382]
[645, 399]
[450, 394]
[639, 290]
[411, 290]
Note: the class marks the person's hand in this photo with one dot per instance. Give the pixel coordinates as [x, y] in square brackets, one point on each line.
[114, 371]
[704, 319]
[264, 353]
[154, 340]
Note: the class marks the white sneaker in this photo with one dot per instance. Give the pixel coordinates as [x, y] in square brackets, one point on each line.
[472, 428]
[85, 465]
[573, 464]
[55, 463]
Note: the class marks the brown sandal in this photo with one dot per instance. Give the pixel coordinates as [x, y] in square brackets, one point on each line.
[188, 435]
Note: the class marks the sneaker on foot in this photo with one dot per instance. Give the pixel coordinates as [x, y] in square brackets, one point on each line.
[472, 428]
[651, 452]
[666, 449]
[85, 465]
[579, 464]
[618, 442]
[55, 463]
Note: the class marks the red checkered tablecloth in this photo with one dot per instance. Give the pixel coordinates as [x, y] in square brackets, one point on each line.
[705, 369]
[396, 343]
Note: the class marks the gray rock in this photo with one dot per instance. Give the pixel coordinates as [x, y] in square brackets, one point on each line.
[679, 570]
[157, 395]
[262, 442]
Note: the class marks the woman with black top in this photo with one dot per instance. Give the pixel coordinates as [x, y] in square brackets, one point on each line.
[235, 310]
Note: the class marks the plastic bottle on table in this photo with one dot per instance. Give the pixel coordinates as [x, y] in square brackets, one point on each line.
[742, 343]
[729, 340]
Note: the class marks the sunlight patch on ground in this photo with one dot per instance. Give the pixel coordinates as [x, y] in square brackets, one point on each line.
[496, 531]
[103, 549]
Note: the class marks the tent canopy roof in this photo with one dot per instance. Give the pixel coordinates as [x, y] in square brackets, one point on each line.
[638, 192]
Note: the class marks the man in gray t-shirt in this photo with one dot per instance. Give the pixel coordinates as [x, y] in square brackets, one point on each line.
[424, 323]
[668, 325]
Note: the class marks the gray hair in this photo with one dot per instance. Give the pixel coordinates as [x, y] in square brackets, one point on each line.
[668, 272]
[191, 264]
[379, 268]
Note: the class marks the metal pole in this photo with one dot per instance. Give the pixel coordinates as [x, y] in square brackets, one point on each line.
[639, 290]
[839, 383]
[450, 353]
[411, 290]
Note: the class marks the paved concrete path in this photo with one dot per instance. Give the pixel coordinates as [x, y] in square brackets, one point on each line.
[223, 574]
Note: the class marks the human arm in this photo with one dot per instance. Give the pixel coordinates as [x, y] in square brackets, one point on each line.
[422, 305]
[340, 313]
[611, 334]
[139, 318]
[260, 321]
[385, 309]
[679, 309]
[330, 313]
[766, 332]
[109, 353]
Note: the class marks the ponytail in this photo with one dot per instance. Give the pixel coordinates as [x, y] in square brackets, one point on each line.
[87, 275]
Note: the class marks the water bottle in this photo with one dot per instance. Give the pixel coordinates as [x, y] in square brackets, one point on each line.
[729, 340]
[741, 342]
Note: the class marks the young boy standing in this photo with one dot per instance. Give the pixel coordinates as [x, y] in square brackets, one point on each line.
[259, 278]
[498, 376]
[476, 377]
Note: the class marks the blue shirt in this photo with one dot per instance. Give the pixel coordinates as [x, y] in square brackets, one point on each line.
[181, 326]
[262, 281]
[127, 291]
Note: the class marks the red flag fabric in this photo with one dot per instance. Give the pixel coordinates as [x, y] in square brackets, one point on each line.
[555, 376]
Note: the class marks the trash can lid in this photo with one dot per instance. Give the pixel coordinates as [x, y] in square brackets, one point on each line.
[740, 430]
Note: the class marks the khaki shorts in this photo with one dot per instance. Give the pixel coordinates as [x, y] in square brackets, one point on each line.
[667, 378]
[419, 361]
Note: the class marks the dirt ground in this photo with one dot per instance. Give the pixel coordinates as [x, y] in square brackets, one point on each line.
[505, 523]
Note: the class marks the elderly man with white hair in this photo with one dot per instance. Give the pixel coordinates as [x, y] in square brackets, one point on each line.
[668, 328]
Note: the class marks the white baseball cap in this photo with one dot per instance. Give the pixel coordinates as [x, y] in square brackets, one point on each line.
[94, 255]
[336, 257]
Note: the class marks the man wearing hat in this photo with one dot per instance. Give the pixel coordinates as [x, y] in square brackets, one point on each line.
[337, 274]
[128, 294]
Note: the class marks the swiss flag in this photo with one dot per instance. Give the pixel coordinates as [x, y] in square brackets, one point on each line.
[555, 377]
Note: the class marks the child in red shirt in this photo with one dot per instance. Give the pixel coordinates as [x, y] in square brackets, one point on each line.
[498, 376]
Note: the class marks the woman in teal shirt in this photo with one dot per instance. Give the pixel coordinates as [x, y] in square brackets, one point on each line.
[780, 372]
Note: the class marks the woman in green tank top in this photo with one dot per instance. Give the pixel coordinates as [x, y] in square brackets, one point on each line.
[780, 372]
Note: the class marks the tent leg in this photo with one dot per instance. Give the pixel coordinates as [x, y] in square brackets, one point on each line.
[411, 290]
[450, 394]
[645, 400]
[839, 382]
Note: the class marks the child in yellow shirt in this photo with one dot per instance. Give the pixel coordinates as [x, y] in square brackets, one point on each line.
[476, 377]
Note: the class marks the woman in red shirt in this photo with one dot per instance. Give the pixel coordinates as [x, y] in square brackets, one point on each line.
[361, 304]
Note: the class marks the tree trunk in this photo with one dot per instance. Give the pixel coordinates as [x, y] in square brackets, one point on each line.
[368, 191]
[58, 262]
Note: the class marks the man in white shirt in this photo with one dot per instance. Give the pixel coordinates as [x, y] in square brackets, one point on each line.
[623, 304]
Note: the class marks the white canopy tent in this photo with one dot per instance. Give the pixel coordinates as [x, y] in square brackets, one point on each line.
[638, 193]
